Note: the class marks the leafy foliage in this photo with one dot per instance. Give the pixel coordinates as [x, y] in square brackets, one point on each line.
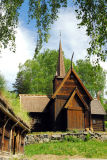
[2, 82]
[92, 14]
[45, 13]
[93, 77]
[104, 103]
[8, 22]
[36, 75]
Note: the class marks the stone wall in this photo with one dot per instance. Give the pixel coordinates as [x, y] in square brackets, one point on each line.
[41, 138]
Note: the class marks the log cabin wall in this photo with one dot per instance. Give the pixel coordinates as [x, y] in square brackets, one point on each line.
[11, 131]
[98, 122]
[22, 143]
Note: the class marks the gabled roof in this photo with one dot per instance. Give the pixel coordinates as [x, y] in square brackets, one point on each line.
[79, 80]
[72, 96]
[34, 103]
[97, 108]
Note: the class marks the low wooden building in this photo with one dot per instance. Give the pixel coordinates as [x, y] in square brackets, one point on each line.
[12, 130]
[70, 107]
[97, 115]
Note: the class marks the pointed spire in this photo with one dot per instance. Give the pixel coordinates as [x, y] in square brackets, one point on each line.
[72, 60]
[60, 72]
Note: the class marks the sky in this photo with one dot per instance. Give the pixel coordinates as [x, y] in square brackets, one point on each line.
[73, 40]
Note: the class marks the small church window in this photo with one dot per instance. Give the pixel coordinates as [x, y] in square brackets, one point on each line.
[94, 121]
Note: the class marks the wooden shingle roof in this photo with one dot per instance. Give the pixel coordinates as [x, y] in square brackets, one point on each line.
[60, 72]
[97, 108]
[34, 103]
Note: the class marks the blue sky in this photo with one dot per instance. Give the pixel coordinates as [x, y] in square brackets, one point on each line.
[23, 17]
[73, 39]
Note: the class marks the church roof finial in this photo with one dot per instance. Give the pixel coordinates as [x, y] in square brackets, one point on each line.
[61, 67]
[72, 60]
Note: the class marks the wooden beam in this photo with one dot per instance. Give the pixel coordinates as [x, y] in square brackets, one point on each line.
[11, 131]
[3, 134]
[70, 99]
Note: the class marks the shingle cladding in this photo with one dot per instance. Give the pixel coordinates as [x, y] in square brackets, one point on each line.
[97, 108]
[34, 103]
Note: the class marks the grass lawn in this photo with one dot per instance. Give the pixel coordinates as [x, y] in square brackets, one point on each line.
[89, 149]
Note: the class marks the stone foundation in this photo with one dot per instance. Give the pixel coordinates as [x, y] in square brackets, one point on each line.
[41, 138]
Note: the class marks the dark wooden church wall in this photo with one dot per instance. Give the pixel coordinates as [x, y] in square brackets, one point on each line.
[51, 115]
[0, 140]
[98, 122]
[56, 83]
[69, 86]
[64, 93]
[39, 121]
[61, 121]
[60, 114]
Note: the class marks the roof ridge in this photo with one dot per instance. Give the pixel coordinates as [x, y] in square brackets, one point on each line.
[34, 95]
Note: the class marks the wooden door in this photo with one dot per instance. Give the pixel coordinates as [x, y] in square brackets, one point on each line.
[75, 119]
[75, 115]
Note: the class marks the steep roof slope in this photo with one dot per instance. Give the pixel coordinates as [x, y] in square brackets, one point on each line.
[97, 108]
[71, 70]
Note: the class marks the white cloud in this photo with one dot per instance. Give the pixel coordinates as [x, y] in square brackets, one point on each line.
[9, 62]
[73, 39]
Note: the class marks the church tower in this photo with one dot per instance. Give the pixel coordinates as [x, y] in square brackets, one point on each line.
[60, 71]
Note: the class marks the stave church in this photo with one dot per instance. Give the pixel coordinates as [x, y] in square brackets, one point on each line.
[70, 107]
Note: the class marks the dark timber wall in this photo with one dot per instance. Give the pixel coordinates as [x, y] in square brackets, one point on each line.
[65, 118]
[98, 122]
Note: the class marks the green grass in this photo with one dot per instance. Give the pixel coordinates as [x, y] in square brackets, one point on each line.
[89, 149]
[14, 103]
[105, 124]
